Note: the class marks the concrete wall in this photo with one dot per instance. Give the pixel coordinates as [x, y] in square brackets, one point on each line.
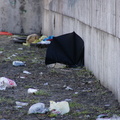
[98, 23]
[21, 16]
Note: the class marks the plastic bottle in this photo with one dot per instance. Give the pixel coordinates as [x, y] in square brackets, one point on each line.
[18, 63]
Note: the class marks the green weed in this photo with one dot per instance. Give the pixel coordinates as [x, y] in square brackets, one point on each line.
[1, 49]
[75, 105]
[42, 93]
[7, 100]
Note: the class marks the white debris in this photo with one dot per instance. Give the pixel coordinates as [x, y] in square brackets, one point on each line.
[13, 55]
[115, 117]
[17, 107]
[6, 82]
[76, 93]
[37, 108]
[32, 90]
[1, 52]
[68, 88]
[21, 103]
[59, 107]
[20, 48]
[45, 84]
[41, 73]
[68, 100]
[26, 72]
[18, 63]
[22, 77]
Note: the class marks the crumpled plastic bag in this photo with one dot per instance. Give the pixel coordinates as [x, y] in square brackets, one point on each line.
[105, 117]
[49, 38]
[20, 104]
[59, 107]
[6, 82]
[40, 39]
[37, 108]
[31, 38]
[32, 90]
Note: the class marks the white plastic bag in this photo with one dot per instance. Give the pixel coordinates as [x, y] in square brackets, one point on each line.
[114, 117]
[37, 108]
[59, 107]
[20, 104]
[6, 82]
[26, 72]
[32, 90]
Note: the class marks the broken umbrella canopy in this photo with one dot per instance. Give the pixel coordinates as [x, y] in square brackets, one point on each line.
[66, 49]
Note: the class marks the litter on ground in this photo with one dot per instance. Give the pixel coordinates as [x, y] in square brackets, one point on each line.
[59, 107]
[32, 90]
[6, 82]
[37, 108]
[18, 63]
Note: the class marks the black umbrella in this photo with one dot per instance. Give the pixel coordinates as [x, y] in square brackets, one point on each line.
[66, 49]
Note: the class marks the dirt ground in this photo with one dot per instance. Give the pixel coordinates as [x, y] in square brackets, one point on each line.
[87, 99]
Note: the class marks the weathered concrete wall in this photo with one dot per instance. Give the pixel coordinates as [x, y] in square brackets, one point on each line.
[98, 23]
[21, 16]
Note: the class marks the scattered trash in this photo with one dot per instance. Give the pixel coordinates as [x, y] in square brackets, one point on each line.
[45, 84]
[68, 100]
[53, 119]
[1, 52]
[18, 63]
[102, 116]
[13, 55]
[106, 106]
[18, 107]
[76, 93]
[9, 58]
[56, 65]
[44, 42]
[87, 116]
[19, 40]
[26, 72]
[59, 65]
[42, 38]
[5, 33]
[22, 77]
[21, 103]
[37, 42]
[68, 88]
[31, 38]
[59, 107]
[87, 90]
[51, 65]
[32, 91]
[105, 117]
[37, 108]
[41, 73]
[49, 38]
[64, 86]
[20, 48]
[6, 82]
[67, 49]
[115, 117]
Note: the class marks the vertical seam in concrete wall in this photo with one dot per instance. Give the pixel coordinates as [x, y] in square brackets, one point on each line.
[115, 17]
